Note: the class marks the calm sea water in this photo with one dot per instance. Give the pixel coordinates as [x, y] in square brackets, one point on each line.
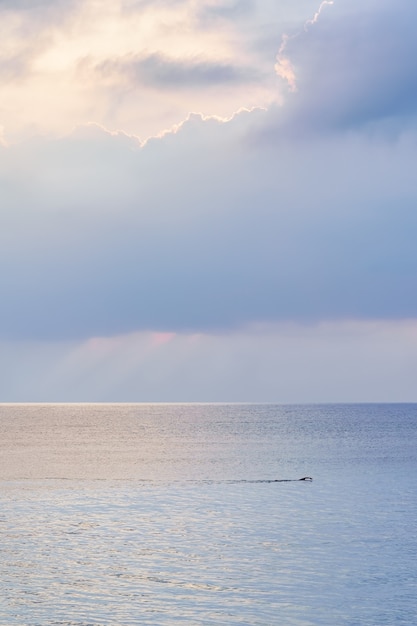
[165, 514]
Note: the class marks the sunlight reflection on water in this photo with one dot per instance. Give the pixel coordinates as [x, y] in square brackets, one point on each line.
[189, 550]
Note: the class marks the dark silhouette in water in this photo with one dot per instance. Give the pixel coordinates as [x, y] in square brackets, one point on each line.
[287, 480]
[271, 480]
[283, 480]
[262, 480]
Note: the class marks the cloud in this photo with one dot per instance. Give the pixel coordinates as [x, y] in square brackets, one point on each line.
[354, 66]
[201, 231]
[18, 5]
[29, 15]
[27, 31]
[114, 63]
[204, 10]
[265, 255]
[329, 362]
[226, 10]
[158, 70]
[17, 66]
[133, 6]
[206, 228]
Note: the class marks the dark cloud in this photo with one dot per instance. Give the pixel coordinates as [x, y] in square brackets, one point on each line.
[138, 5]
[36, 6]
[163, 72]
[226, 10]
[34, 21]
[197, 232]
[17, 5]
[203, 11]
[203, 229]
[355, 67]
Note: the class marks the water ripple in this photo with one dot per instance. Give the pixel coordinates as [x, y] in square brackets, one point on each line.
[168, 549]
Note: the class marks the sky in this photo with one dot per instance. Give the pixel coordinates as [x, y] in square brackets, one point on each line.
[209, 200]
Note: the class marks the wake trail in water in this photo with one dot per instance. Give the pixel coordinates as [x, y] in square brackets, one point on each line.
[242, 480]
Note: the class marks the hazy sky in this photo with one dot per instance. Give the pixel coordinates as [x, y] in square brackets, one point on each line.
[208, 200]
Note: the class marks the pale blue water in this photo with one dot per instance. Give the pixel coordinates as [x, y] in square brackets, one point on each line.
[157, 514]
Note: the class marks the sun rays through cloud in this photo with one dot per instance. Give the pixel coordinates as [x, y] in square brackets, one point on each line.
[175, 176]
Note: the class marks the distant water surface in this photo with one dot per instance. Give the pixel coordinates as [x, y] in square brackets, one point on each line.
[163, 514]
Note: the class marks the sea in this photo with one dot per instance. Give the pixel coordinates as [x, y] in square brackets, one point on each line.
[194, 514]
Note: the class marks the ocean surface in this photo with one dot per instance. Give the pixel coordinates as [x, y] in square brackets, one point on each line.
[115, 514]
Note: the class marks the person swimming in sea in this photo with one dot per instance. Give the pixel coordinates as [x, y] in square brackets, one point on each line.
[291, 480]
